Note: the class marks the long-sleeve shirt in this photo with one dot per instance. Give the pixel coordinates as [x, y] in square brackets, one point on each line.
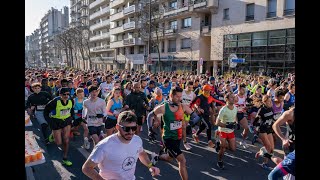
[37, 100]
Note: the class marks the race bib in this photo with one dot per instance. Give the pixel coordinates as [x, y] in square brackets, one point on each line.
[221, 98]
[65, 112]
[75, 111]
[175, 125]
[268, 122]
[41, 107]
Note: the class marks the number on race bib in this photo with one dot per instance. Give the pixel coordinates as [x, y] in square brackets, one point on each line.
[175, 125]
[64, 112]
[40, 107]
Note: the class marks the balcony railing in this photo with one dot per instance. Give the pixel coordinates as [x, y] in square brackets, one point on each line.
[107, 58]
[114, 3]
[129, 9]
[99, 25]
[101, 36]
[288, 12]
[199, 3]
[171, 30]
[99, 13]
[250, 18]
[129, 25]
[271, 14]
[116, 16]
[206, 28]
[172, 49]
[176, 10]
[100, 48]
[132, 41]
[96, 3]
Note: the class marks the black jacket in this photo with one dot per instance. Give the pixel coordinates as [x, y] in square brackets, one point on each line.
[137, 102]
[42, 98]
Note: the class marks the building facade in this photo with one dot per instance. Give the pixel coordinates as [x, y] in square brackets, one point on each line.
[32, 50]
[51, 24]
[100, 51]
[260, 31]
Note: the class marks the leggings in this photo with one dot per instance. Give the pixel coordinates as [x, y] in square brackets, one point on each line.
[205, 123]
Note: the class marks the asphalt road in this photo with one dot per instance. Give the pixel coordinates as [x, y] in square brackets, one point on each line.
[201, 161]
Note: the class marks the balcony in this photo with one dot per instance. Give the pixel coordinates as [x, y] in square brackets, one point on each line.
[171, 31]
[96, 3]
[199, 3]
[250, 18]
[129, 25]
[289, 12]
[136, 58]
[101, 48]
[99, 37]
[116, 44]
[100, 13]
[116, 16]
[100, 25]
[116, 30]
[114, 3]
[133, 42]
[175, 11]
[129, 10]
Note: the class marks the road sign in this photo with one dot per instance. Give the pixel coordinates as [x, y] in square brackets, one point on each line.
[201, 61]
[239, 60]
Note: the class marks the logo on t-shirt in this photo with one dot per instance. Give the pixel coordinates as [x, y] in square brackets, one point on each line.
[128, 163]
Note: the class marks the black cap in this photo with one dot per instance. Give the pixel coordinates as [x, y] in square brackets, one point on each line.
[63, 90]
[151, 82]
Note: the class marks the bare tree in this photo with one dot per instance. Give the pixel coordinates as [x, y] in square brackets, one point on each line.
[152, 26]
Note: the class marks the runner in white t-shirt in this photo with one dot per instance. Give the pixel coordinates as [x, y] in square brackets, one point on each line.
[106, 87]
[119, 164]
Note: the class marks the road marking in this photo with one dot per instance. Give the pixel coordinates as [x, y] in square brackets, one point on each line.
[64, 173]
[217, 177]
[215, 169]
[189, 152]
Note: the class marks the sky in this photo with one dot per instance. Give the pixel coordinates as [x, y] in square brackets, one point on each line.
[36, 9]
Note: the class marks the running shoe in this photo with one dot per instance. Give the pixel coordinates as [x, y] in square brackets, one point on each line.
[51, 138]
[194, 131]
[154, 158]
[187, 146]
[66, 162]
[261, 152]
[254, 139]
[86, 143]
[220, 164]
[195, 138]
[210, 144]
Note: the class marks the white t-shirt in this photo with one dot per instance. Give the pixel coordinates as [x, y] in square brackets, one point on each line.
[116, 160]
[92, 108]
[227, 115]
[186, 99]
[105, 88]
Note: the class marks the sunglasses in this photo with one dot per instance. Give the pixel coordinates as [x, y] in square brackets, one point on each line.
[66, 94]
[127, 128]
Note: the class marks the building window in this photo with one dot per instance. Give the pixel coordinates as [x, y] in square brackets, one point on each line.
[226, 14]
[141, 49]
[272, 8]
[162, 46]
[132, 50]
[290, 36]
[289, 7]
[173, 5]
[118, 51]
[244, 40]
[230, 40]
[173, 25]
[277, 37]
[260, 39]
[186, 43]
[250, 12]
[186, 22]
[172, 46]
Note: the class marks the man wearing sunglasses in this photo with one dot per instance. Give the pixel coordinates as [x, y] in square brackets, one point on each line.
[59, 114]
[117, 155]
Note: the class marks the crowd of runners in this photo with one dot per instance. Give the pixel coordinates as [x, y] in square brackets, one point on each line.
[111, 108]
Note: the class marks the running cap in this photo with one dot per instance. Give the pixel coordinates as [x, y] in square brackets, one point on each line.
[206, 87]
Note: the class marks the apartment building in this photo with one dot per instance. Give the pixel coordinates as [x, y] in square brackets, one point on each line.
[79, 13]
[32, 49]
[52, 23]
[101, 54]
[260, 31]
